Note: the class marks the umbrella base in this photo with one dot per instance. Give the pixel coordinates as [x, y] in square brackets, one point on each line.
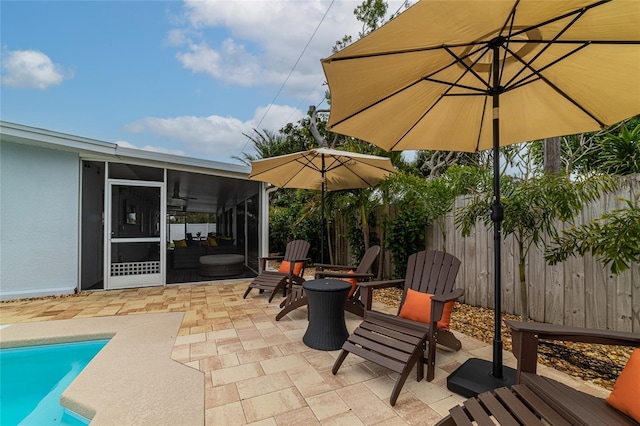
[475, 376]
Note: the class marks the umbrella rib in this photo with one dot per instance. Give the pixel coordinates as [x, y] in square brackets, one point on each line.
[416, 122]
[345, 164]
[484, 112]
[510, 85]
[516, 81]
[544, 49]
[468, 44]
[276, 166]
[366, 107]
[556, 88]
[581, 11]
[460, 60]
[308, 161]
[457, 59]
[446, 93]
[598, 42]
[304, 164]
[509, 21]
[267, 170]
[460, 86]
[536, 72]
[401, 51]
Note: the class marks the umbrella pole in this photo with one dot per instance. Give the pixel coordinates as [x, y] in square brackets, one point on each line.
[322, 213]
[322, 224]
[475, 375]
[497, 214]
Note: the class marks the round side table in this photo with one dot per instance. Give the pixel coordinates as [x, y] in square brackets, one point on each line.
[327, 330]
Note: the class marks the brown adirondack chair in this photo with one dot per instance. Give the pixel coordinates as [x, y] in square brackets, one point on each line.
[296, 297]
[272, 281]
[538, 400]
[399, 343]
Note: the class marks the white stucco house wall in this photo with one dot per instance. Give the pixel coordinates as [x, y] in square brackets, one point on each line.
[62, 224]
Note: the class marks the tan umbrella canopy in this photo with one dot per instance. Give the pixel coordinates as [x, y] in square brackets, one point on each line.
[473, 75]
[322, 169]
[308, 170]
[424, 80]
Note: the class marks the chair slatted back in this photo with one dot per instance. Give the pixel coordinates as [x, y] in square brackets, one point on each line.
[296, 250]
[369, 257]
[430, 271]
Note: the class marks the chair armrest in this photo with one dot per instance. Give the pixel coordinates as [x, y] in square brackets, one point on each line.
[272, 258]
[337, 274]
[456, 293]
[438, 301]
[306, 259]
[322, 266]
[525, 337]
[367, 287]
[263, 260]
[380, 284]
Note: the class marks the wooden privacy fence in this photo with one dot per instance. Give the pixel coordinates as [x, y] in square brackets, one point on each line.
[579, 292]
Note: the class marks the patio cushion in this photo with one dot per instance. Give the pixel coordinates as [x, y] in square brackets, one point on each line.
[626, 390]
[417, 307]
[285, 267]
[353, 282]
[212, 241]
[180, 243]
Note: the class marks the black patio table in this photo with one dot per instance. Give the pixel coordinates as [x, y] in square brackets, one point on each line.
[327, 330]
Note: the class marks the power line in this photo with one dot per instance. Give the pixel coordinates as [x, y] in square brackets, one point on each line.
[304, 100]
[400, 7]
[295, 65]
[313, 90]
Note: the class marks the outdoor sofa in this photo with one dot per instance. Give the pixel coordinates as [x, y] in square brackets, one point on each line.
[189, 257]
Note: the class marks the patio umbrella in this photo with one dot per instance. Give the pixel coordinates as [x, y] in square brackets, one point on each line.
[474, 75]
[322, 169]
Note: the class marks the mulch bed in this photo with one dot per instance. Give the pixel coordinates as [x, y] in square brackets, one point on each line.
[598, 364]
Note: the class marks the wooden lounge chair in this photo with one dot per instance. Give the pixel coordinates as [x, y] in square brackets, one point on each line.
[537, 400]
[272, 281]
[399, 343]
[296, 297]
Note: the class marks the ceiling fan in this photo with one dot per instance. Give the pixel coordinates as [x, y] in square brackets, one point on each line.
[176, 193]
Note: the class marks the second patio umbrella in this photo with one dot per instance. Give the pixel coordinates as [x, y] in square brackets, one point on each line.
[322, 169]
[473, 75]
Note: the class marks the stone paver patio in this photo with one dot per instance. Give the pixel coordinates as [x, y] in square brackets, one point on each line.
[258, 371]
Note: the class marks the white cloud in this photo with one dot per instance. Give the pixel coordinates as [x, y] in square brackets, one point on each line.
[263, 40]
[177, 37]
[31, 69]
[251, 44]
[202, 58]
[216, 137]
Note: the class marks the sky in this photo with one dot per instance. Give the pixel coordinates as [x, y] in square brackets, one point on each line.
[180, 77]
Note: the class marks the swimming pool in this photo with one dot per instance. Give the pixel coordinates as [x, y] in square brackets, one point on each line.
[33, 378]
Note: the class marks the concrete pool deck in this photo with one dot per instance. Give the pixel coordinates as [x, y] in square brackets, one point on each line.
[128, 382]
[245, 367]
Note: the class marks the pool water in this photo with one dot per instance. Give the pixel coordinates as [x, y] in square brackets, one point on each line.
[33, 378]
